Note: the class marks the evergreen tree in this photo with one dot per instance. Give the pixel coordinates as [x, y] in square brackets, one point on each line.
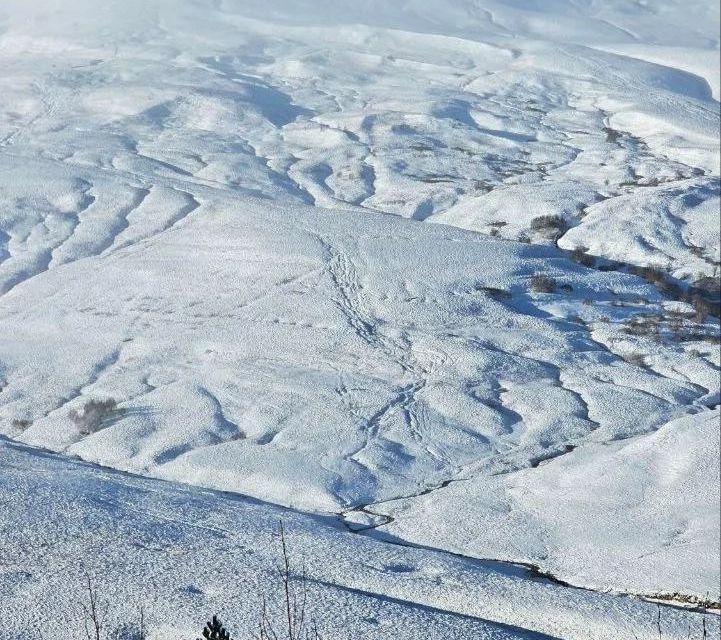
[214, 630]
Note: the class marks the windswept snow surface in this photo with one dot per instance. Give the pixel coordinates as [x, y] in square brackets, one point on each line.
[218, 215]
[180, 551]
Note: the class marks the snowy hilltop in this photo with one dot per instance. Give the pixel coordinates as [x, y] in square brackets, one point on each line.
[434, 282]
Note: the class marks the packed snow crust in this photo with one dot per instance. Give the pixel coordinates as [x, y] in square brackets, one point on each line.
[320, 254]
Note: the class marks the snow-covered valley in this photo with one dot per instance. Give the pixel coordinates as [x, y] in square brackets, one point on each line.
[435, 282]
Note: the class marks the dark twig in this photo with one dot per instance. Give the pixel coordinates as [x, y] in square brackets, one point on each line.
[93, 613]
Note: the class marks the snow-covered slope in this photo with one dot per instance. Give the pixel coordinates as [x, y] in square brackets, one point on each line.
[214, 218]
[181, 552]
[457, 111]
[251, 346]
[595, 501]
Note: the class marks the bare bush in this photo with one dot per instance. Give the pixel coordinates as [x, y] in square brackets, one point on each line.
[580, 255]
[21, 424]
[636, 359]
[94, 412]
[708, 284]
[663, 282]
[702, 308]
[288, 620]
[675, 323]
[542, 283]
[643, 326]
[651, 274]
[495, 293]
[95, 615]
[552, 227]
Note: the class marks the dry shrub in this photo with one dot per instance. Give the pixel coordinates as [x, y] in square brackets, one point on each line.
[643, 326]
[542, 283]
[495, 293]
[702, 308]
[580, 255]
[708, 284]
[21, 424]
[289, 618]
[552, 227]
[91, 417]
[636, 359]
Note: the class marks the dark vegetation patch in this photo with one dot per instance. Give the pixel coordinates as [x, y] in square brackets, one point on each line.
[94, 415]
[542, 283]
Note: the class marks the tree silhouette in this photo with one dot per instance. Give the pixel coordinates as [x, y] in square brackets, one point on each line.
[214, 630]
